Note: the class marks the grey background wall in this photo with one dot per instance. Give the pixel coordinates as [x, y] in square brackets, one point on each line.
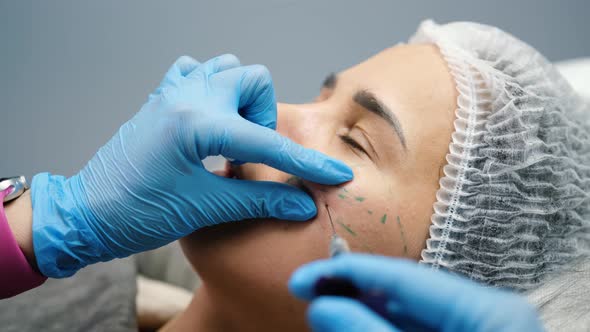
[71, 72]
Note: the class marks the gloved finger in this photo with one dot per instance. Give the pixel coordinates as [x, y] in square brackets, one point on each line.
[256, 144]
[183, 66]
[412, 287]
[217, 64]
[256, 99]
[335, 314]
[243, 199]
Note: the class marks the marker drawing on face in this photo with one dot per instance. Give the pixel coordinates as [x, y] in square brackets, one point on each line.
[346, 227]
[403, 235]
[369, 211]
[384, 218]
[293, 180]
[367, 248]
[341, 196]
[359, 198]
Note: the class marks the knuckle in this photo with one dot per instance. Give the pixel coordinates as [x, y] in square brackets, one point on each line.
[184, 59]
[261, 71]
[230, 58]
[259, 208]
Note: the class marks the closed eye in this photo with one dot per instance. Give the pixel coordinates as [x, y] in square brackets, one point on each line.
[353, 144]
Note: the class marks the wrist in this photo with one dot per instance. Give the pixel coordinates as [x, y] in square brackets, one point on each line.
[19, 214]
[63, 239]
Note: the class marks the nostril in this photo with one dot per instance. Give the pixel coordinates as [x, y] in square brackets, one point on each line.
[234, 171]
[294, 181]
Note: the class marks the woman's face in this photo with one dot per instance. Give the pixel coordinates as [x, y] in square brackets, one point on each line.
[390, 119]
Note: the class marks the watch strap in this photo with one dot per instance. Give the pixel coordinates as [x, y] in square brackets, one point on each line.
[16, 274]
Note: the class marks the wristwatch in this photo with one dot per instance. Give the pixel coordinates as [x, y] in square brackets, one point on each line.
[19, 186]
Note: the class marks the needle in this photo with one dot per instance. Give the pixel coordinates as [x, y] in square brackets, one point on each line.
[338, 245]
[331, 222]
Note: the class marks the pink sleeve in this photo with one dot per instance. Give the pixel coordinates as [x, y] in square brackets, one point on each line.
[16, 275]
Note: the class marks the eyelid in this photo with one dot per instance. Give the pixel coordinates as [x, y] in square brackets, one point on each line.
[354, 144]
[366, 136]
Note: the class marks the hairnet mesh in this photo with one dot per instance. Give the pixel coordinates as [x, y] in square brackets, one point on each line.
[514, 203]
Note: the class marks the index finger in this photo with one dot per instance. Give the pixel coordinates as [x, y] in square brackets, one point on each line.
[254, 143]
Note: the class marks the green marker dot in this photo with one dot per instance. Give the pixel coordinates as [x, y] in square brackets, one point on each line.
[359, 198]
[384, 219]
[342, 196]
[369, 212]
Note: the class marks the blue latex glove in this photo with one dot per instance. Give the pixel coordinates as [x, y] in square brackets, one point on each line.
[418, 299]
[147, 186]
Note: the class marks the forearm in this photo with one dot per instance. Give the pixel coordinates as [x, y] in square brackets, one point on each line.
[20, 219]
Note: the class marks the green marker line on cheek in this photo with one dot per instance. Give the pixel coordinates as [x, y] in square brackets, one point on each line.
[367, 248]
[346, 227]
[384, 219]
[359, 199]
[401, 229]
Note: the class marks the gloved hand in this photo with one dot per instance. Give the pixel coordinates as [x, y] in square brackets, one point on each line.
[417, 299]
[147, 186]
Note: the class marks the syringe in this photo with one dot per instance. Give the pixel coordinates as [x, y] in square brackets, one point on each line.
[338, 286]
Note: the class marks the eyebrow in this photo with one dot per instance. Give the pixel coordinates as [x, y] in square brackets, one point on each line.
[368, 101]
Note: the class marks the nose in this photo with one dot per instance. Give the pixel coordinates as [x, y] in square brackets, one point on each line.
[305, 124]
[291, 122]
[300, 124]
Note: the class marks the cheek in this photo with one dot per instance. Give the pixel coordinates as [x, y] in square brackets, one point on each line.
[368, 214]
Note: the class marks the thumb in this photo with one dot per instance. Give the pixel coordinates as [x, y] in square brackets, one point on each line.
[252, 88]
[245, 199]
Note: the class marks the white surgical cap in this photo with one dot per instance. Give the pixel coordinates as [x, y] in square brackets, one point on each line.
[514, 202]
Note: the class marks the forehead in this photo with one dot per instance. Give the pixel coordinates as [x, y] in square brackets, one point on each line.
[403, 73]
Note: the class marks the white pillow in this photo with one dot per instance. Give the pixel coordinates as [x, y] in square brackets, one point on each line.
[577, 72]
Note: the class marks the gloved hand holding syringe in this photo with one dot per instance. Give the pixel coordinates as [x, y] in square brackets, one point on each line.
[358, 292]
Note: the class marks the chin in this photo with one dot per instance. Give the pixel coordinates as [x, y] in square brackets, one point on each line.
[254, 251]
